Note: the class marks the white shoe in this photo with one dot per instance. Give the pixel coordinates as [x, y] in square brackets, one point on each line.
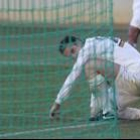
[108, 116]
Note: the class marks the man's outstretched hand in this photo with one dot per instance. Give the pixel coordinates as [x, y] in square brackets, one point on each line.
[55, 111]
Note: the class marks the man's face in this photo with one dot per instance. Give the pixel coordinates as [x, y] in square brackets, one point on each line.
[72, 51]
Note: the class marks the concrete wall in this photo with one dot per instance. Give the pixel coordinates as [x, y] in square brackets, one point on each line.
[122, 9]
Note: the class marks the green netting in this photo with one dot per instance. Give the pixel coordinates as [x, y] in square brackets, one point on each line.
[32, 70]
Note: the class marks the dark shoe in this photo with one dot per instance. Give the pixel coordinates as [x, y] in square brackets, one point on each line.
[92, 119]
[97, 118]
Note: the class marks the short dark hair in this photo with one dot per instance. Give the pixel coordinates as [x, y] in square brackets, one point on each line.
[66, 40]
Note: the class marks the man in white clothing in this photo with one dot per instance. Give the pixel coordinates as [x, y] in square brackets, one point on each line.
[134, 29]
[102, 50]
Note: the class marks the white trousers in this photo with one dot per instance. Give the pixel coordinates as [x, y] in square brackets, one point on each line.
[103, 100]
[127, 93]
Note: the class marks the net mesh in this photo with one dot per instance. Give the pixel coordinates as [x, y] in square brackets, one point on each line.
[33, 71]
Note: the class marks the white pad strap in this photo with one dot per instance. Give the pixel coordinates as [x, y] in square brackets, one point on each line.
[96, 81]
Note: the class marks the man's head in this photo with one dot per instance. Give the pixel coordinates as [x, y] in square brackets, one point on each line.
[70, 46]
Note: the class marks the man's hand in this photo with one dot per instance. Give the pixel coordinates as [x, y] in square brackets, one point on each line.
[55, 111]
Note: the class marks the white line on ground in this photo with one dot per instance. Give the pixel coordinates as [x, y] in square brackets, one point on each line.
[50, 129]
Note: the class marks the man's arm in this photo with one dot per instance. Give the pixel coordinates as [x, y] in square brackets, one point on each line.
[134, 29]
[65, 90]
